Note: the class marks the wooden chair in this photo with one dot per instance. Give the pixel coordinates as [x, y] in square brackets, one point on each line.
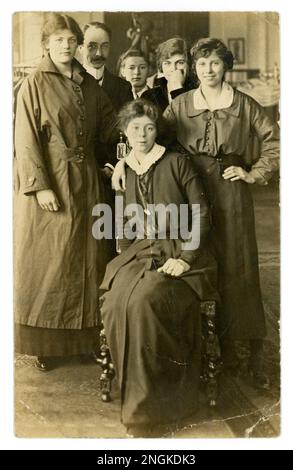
[211, 357]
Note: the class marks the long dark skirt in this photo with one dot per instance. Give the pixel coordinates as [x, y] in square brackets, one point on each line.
[241, 313]
[54, 342]
[153, 330]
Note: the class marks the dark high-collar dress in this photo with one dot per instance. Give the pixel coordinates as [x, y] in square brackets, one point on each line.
[152, 321]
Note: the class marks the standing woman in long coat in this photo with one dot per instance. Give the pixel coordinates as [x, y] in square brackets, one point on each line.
[61, 111]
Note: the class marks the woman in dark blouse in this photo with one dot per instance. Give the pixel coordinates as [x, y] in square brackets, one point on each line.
[214, 123]
[150, 307]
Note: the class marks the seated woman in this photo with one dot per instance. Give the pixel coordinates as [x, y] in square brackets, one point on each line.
[152, 290]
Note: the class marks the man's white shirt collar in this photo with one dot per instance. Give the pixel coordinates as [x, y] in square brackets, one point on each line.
[139, 93]
[98, 74]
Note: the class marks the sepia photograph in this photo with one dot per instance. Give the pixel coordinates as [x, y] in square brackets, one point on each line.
[146, 224]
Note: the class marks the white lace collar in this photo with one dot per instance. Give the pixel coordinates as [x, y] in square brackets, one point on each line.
[150, 158]
[225, 99]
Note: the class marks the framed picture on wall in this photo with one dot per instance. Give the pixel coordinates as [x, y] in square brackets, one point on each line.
[237, 47]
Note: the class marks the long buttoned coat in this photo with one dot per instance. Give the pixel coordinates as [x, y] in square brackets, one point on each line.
[58, 262]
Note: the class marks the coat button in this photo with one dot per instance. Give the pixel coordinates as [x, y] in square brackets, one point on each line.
[30, 180]
[79, 102]
[80, 133]
[82, 118]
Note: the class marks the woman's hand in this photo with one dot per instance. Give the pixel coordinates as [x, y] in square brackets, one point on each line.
[176, 80]
[174, 267]
[47, 200]
[106, 172]
[235, 173]
[119, 177]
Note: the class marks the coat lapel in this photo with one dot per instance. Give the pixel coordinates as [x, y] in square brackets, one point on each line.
[107, 84]
[78, 71]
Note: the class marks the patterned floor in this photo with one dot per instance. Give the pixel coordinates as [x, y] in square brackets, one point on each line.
[65, 402]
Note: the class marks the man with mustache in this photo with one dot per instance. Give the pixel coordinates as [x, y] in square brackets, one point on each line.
[96, 49]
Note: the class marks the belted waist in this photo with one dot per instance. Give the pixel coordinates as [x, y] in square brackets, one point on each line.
[69, 154]
[224, 161]
[222, 158]
[208, 163]
[75, 155]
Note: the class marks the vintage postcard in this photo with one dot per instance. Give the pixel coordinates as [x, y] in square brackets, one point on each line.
[146, 224]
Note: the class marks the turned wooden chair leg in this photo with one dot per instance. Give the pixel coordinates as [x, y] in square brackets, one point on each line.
[211, 351]
[211, 356]
[108, 371]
